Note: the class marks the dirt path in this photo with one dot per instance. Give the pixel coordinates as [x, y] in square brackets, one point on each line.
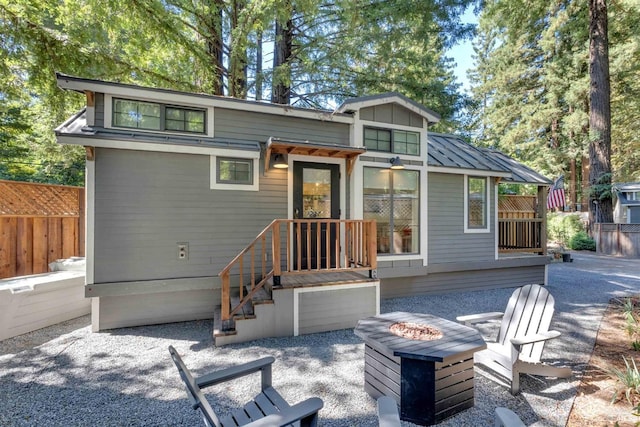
[593, 403]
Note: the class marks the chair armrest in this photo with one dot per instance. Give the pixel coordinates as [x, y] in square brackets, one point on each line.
[291, 414]
[530, 339]
[234, 372]
[388, 412]
[480, 317]
[507, 418]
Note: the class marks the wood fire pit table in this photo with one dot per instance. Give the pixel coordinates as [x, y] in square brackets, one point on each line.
[424, 362]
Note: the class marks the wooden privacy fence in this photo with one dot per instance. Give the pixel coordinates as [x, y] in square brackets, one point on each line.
[617, 239]
[39, 223]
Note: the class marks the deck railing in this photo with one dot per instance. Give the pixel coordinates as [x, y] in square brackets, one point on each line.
[520, 235]
[297, 246]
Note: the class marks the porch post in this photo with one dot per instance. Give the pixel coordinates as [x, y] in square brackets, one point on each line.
[542, 214]
[275, 250]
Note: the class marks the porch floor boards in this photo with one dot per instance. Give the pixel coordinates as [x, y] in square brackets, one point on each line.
[321, 279]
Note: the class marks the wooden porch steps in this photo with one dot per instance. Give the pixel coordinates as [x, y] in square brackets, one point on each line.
[261, 296]
[264, 296]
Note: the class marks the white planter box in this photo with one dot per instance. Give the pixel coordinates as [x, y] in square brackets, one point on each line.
[32, 302]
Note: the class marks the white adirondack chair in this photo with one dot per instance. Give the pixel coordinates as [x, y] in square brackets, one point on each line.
[507, 418]
[388, 415]
[523, 332]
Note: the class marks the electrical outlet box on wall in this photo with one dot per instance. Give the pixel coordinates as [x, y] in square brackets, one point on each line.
[183, 251]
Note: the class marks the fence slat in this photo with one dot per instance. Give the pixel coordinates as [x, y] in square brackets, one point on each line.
[69, 237]
[54, 251]
[7, 246]
[40, 244]
[24, 250]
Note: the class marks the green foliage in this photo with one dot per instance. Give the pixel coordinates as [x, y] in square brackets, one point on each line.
[562, 228]
[582, 242]
[530, 84]
[630, 379]
[341, 49]
[632, 325]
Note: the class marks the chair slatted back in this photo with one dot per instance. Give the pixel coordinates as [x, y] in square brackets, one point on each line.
[528, 312]
[197, 398]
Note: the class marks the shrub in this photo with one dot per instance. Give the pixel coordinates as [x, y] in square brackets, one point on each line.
[582, 242]
[562, 228]
[630, 379]
[632, 324]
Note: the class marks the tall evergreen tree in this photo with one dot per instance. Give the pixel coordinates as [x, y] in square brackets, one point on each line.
[531, 83]
[600, 114]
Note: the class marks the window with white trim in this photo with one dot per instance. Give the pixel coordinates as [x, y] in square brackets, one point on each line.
[154, 116]
[476, 204]
[234, 173]
[392, 141]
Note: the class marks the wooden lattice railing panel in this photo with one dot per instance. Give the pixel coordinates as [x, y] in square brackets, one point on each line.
[514, 206]
[30, 199]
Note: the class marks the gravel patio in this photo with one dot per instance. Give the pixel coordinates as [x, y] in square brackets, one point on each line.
[67, 376]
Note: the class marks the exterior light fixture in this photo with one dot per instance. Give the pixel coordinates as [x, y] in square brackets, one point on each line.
[279, 162]
[396, 163]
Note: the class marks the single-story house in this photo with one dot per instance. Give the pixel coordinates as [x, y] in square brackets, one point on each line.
[317, 214]
[627, 206]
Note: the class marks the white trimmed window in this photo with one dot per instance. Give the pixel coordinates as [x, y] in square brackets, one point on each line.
[234, 173]
[476, 204]
[392, 141]
[155, 116]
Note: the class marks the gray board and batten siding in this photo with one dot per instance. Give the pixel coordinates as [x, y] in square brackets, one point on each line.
[259, 127]
[99, 110]
[393, 114]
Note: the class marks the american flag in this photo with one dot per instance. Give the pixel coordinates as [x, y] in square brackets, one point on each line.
[556, 194]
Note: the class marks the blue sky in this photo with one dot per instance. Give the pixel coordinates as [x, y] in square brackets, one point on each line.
[462, 52]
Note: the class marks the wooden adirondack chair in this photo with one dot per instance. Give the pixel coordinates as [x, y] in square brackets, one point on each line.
[267, 409]
[521, 338]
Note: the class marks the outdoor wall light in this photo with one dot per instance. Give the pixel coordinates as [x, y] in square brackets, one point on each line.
[279, 162]
[396, 163]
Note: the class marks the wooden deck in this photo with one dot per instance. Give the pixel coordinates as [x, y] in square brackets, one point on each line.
[322, 279]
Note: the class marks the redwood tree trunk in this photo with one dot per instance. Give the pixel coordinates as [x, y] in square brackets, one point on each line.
[237, 56]
[282, 57]
[600, 204]
[215, 83]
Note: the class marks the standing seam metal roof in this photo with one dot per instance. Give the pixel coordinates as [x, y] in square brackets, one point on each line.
[452, 151]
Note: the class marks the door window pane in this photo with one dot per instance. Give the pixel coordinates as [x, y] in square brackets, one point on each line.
[316, 193]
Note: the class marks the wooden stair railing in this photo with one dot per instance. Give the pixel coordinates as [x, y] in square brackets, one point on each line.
[358, 253]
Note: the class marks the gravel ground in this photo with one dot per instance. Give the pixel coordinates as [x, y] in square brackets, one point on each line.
[65, 375]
